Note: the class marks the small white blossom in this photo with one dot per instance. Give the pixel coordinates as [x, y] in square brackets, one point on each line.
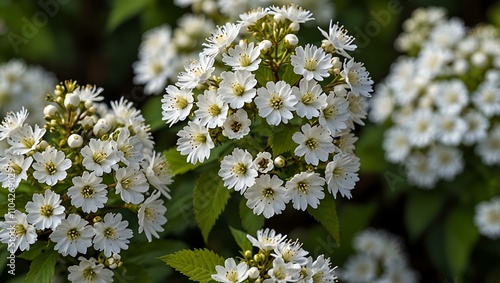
[310, 98]
[88, 192]
[72, 236]
[99, 156]
[243, 57]
[50, 166]
[212, 111]
[17, 232]
[337, 40]
[45, 211]
[311, 62]
[267, 196]
[237, 88]
[195, 142]
[487, 218]
[196, 72]
[237, 125]
[276, 102]
[151, 216]
[314, 143]
[341, 174]
[89, 271]
[131, 184]
[267, 239]
[237, 170]
[263, 162]
[230, 272]
[112, 234]
[306, 189]
[176, 104]
[357, 78]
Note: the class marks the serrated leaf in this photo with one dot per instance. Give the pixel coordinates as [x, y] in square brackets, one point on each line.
[263, 75]
[180, 208]
[35, 249]
[123, 10]
[198, 265]
[460, 237]
[290, 76]
[281, 140]
[151, 110]
[418, 219]
[241, 239]
[42, 268]
[250, 222]
[147, 253]
[326, 214]
[209, 200]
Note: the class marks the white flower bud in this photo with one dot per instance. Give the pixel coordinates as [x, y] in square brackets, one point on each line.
[479, 59]
[265, 44]
[101, 127]
[294, 26]
[279, 161]
[50, 110]
[279, 18]
[75, 140]
[336, 63]
[88, 104]
[291, 39]
[87, 122]
[460, 67]
[340, 91]
[71, 100]
[253, 273]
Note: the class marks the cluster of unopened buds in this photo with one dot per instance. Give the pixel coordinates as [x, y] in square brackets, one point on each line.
[76, 174]
[282, 113]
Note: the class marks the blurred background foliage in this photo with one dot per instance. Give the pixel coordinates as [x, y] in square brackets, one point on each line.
[96, 42]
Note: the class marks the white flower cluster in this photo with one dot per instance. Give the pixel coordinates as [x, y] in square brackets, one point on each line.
[252, 81]
[22, 85]
[487, 218]
[379, 258]
[85, 163]
[164, 49]
[444, 99]
[278, 260]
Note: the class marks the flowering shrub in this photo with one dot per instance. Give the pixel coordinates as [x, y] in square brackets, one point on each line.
[277, 260]
[273, 118]
[72, 181]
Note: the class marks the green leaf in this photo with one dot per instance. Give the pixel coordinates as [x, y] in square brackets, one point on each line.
[370, 152]
[42, 267]
[146, 253]
[263, 75]
[460, 237]
[209, 200]
[250, 222]
[178, 162]
[151, 110]
[198, 265]
[418, 219]
[35, 249]
[180, 208]
[290, 76]
[326, 214]
[281, 140]
[241, 239]
[123, 10]
[131, 272]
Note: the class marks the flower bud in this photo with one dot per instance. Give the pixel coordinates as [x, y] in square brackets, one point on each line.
[88, 104]
[75, 140]
[336, 63]
[294, 26]
[253, 273]
[87, 122]
[279, 18]
[265, 45]
[479, 59]
[71, 100]
[291, 40]
[42, 145]
[279, 161]
[101, 127]
[50, 110]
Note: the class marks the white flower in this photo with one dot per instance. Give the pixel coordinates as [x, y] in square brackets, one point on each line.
[158, 173]
[24, 139]
[487, 98]
[237, 88]
[212, 111]
[396, 144]
[237, 170]
[337, 40]
[112, 234]
[129, 148]
[89, 271]
[335, 115]
[176, 104]
[450, 129]
[13, 169]
[131, 184]
[487, 218]
[17, 232]
[453, 96]
[357, 110]
[45, 211]
[230, 272]
[50, 166]
[421, 127]
[283, 272]
[153, 71]
[151, 216]
[88, 192]
[315, 144]
[12, 121]
[477, 125]
[310, 98]
[306, 189]
[446, 161]
[448, 33]
[291, 252]
[195, 142]
[382, 104]
[322, 271]
[72, 236]
[89, 93]
[275, 102]
[357, 78]
[267, 239]
[251, 17]
[489, 148]
[196, 72]
[99, 156]
[420, 172]
[267, 196]
[263, 162]
[359, 268]
[311, 62]
[220, 39]
[237, 125]
[293, 13]
[243, 57]
[124, 112]
[341, 174]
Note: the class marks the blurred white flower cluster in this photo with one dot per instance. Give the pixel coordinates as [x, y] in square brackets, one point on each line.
[444, 100]
[379, 258]
[283, 112]
[22, 85]
[278, 260]
[165, 50]
[487, 218]
[77, 173]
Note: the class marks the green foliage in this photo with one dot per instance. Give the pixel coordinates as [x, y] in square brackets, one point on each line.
[281, 140]
[209, 200]
[42, 268]
[35, 250]
[123, 10]
[131, 272]
[197, 264]
[178, 162]
[180, 208]
[251, 222]
[151, 110]
[290, 76]
[460, 238]
[421, 209]
[263, 75]
[241, 239]
[369, 149]
[326, 214]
